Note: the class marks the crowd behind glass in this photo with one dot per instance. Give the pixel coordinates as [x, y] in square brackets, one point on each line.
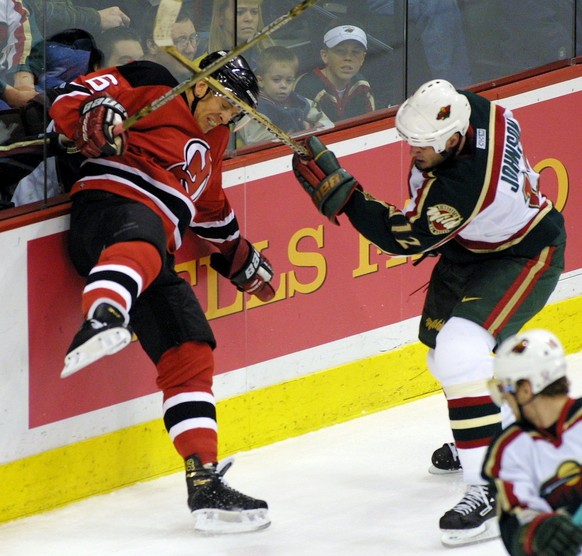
[329, 67]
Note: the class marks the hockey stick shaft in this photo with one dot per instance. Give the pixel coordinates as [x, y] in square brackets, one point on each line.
[237, 51]
[45, 139]
[257, 116]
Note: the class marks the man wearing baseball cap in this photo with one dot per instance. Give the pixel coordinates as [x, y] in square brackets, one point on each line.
[337, 87]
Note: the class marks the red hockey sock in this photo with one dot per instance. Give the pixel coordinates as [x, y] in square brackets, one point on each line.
[185, 375]
[123, 271]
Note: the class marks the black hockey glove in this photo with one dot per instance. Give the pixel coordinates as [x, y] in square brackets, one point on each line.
[94, 135]
[248, 270]
[324, 180]
[551, 535]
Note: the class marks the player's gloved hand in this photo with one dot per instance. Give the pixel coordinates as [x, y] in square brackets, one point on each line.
[324, 180]
[94, 135]
[551, 535]
[248, 270]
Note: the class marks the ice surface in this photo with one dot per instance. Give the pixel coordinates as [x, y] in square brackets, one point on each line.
[355, 489]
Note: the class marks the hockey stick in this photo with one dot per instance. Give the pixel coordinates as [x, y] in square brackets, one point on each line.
[27, 145]
[257, 116]
[171, 9]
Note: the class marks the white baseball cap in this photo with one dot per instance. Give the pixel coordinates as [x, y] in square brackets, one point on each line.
[345, 33]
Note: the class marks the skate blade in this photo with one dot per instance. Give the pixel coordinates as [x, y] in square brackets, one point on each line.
[485, 532]
[222, 522]
[107, 342]
[436, 471]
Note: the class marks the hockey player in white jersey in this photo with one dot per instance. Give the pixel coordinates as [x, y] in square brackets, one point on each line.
[474, 202]
[535, 463]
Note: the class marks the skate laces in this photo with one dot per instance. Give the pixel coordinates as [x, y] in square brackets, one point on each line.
[475, 496]
[220, 471]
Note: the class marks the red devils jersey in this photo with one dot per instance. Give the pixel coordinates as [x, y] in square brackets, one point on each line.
[170, 165]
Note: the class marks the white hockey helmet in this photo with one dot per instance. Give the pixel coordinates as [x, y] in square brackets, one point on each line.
[535, 355]
[432, 115]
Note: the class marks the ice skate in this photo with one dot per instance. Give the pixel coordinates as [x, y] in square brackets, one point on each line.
[104, 334]
[445, 460]
[472, 520]
[216, 507]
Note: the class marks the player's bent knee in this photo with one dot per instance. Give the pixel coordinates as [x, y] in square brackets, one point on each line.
[462, 354]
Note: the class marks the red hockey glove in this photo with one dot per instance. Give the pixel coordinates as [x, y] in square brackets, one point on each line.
[326, 182]
[248, 270]
[94, 134]
[552, 535]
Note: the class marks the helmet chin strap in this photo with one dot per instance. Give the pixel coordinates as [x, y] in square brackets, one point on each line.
[194, 100]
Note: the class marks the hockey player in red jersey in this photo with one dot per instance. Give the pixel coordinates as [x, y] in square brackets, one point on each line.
[474, 202]
[138, 194]
[536, 463]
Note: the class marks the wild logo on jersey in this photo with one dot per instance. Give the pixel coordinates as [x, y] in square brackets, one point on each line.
[564, 489]
[196, 169]
[442, 219]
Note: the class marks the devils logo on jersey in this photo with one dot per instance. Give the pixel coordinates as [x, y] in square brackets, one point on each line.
[196, 169]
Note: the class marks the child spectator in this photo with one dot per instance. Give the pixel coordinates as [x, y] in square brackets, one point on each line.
[338, 88]
[276, 72]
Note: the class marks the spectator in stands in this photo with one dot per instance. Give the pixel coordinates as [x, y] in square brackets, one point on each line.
[437, 23]
[62, 57]
[15, 43]
[117, 46]
[57, 15]
[184, 37]
[276, 72]
[247, 19]
[550, 36]
[338, 88]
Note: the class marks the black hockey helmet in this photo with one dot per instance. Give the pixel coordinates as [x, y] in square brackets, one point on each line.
[236, 76]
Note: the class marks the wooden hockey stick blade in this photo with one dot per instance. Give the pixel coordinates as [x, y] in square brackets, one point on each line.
[237, 51]
[257, 116]
[166, 16]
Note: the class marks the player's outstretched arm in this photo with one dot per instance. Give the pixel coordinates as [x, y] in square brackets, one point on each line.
[328, 184]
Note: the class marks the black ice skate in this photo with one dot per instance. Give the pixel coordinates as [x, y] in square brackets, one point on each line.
[104, 334]
[218, 508]
[472, 520]
[445, 460]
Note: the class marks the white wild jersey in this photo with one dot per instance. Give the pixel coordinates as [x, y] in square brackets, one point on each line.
[482, 200]
[538, 470]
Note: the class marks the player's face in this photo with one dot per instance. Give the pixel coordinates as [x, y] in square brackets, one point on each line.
[425, 158]
[213, 110]
[123, 52]
[344, 60]
[277, 83]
